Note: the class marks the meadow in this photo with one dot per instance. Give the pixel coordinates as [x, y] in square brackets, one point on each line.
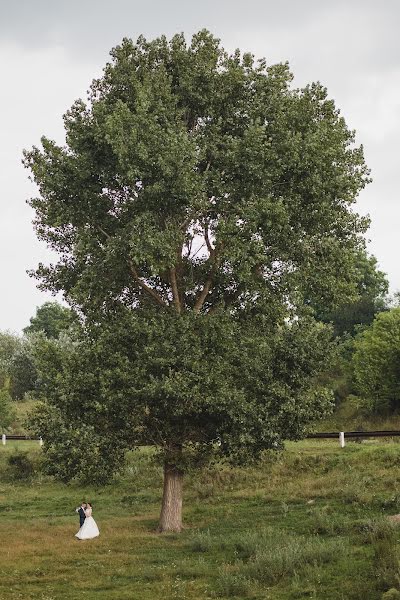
[311, 522]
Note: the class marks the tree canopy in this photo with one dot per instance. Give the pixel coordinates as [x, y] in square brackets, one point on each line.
[17, 370]
[181, 148]
[376, 362]
[199, 201]
[170, 382]
[372, 288]
[7, 414]
[51, 318]
[10, 344]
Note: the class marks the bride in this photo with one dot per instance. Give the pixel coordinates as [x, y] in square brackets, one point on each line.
[89, 528]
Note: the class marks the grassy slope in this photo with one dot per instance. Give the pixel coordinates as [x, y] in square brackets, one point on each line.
[21, 411]
[353, 414]
[308, 525]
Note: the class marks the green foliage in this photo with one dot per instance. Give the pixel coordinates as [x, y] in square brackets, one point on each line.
[22, 371]
[284, 557]
[198, 203]
[234, 585]
[179, 146]
[17, 371]
[372, 287]
[10, 344]
[21, 467]
[376, 362]
[76, 449]
[7, 413]
[132, 383]
[391, 594]
[386, 562]
[51, 319]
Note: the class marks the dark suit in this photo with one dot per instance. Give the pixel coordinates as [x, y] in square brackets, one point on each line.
[82, 516]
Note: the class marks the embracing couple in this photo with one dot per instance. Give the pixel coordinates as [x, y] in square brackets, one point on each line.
[88, 527]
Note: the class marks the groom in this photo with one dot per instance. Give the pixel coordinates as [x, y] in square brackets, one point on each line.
[81, 512]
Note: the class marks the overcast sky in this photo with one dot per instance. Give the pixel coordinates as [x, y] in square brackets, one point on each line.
[50, 50]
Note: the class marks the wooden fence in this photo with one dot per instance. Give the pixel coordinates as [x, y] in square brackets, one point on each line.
[7, 436]
[339, 435]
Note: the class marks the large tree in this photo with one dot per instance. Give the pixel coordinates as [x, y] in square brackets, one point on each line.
[199, 200]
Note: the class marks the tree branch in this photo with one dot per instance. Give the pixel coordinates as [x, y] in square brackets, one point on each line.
[135, 274]
[210, 249]
[175, 291]
[207, 286]
[198, 250]
[145, 287]
[107, 235]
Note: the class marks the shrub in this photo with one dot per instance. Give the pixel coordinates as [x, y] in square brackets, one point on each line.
[325, 523]
[21, 467]
[202, 542]
[391, 594]
[7, 412]
[375, 362]
[273, 563]
[248, 544]
[382, 535]
[374, 530]
[234, 585]
[386, 563]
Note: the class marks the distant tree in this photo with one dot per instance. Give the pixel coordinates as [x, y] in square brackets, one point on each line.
[17, 370]
[196, 204]
[394, 300]
[10, 345]
[22, 371]
[51, 318]
[376, 362]
[372, 289]
[7, 413]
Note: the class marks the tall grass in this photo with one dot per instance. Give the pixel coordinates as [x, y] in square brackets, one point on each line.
[307, 523]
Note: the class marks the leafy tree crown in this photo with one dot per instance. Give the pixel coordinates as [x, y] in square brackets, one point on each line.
[197, 179]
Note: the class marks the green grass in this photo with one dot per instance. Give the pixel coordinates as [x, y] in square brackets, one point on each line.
[309, 523]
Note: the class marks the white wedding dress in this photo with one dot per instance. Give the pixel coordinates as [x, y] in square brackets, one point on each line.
[89, 528]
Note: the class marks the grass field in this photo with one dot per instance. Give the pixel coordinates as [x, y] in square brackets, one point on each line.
[309, 523]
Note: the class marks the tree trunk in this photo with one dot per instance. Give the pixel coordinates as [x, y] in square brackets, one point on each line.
[171, 508]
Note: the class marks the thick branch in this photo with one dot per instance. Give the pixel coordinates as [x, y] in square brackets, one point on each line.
[207, 239]
[207, 286]
[135, 274]
[108, 236]
[145, 287]
[175, 291]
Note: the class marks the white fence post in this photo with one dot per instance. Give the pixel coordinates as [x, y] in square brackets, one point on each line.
[3, 439]
[341, 439]
[40, 441]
